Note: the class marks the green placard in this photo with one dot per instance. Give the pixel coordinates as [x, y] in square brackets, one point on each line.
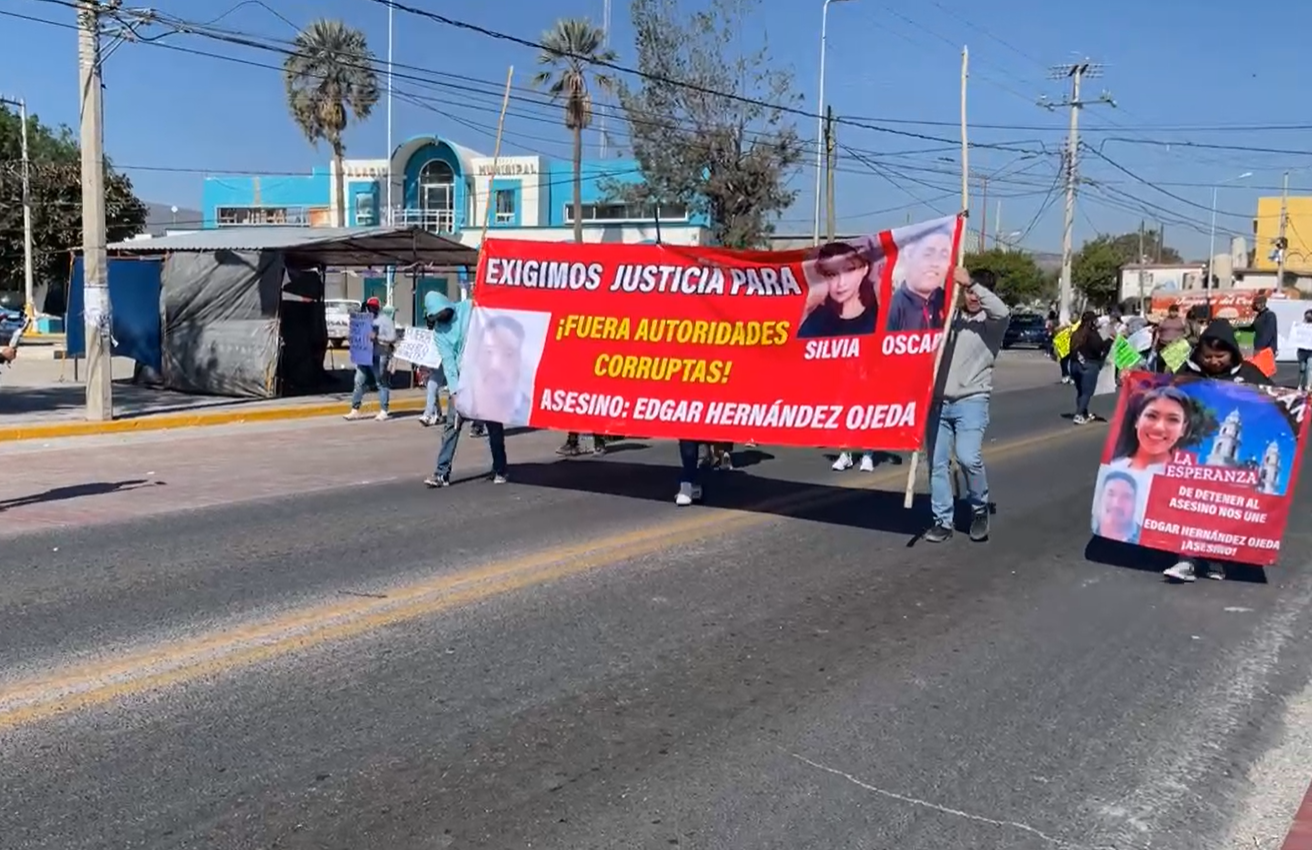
[1123, 354]
[1176, 353]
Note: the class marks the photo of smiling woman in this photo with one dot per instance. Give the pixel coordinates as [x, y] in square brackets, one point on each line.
[1156, 423]
[842, 276]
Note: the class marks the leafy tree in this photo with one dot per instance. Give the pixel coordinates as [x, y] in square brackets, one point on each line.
[572, 49]
[707, 126]
[330, 77]
[1127, 246]
[1096, 270]
[56, 180]
[1020, 280]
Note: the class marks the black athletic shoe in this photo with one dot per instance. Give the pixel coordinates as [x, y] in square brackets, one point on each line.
[940, 533]
[979, 525]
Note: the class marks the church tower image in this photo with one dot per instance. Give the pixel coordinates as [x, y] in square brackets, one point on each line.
[1225, 447]
[1268, 474]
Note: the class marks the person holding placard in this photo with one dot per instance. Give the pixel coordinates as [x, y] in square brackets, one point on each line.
[1217, 357]
[382, 335]
[1303, 340]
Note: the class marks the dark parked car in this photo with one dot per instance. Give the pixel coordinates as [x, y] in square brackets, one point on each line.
[1027, 330]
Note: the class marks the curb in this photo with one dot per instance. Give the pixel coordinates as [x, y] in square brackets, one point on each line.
[193, 419]
[1300, 832]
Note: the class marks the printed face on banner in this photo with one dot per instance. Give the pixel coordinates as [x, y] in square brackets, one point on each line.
[924, 262]
[502, 351]
[842, 290]
[712, 344]
[1212, 463]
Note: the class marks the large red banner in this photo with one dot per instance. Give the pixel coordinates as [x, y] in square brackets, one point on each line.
[833, 346]
[1202, 468]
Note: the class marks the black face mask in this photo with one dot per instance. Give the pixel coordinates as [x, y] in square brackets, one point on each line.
[431, 321]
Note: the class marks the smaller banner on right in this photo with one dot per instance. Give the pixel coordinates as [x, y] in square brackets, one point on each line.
[1201, 468]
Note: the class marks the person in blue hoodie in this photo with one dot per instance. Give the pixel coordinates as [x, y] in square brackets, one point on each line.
[450, 325]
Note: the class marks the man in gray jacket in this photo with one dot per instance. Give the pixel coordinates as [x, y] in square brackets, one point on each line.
[963, 414]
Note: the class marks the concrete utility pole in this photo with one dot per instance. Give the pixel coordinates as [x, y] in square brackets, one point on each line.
[831, 161]
[96, 309]
[29, 273]
[1076, 73]
[1282, 243]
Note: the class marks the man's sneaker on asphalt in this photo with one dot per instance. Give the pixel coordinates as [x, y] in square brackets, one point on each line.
[1078, 419]
[499, 478]
[382, 416]
[434, 481]
[428, 421]
[867, 463]
[353, 415]
[842, 462]
[568, 450]
[940, 533]
[979, 524]
[1182, 571]
[688, 493]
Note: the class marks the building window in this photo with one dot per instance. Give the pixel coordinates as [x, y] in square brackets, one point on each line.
[505, 206]
[364, 209]
[437, 196]
[605, 212]
[261, 216]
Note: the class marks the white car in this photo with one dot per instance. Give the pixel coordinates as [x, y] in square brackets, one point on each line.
[337, 316]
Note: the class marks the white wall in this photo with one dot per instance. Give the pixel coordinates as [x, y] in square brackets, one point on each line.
[630, 234]
[528, 171]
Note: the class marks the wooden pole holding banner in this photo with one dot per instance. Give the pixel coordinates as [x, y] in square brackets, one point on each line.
[490, 203]
[951, 312]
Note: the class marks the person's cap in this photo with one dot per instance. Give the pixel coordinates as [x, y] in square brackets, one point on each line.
[372, 302]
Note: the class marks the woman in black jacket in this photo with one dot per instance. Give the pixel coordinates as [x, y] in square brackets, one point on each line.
[1088, 352]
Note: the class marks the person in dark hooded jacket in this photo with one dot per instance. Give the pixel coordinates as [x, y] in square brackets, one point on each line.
[1217, 357]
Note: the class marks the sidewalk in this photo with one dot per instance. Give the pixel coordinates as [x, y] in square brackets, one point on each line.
[39, 399]
[93, 480]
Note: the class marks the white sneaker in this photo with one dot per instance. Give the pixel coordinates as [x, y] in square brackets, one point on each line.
[382, 416]
[867, 462]
[1182, 571]
[353, 415]
[843, 462]
[688, 493]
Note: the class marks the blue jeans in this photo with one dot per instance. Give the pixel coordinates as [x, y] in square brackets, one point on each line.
[377, 375]
[1304, 379]
[689, 458]
[496, 441]
[1085, 376]
[961, 426]
[430, 401]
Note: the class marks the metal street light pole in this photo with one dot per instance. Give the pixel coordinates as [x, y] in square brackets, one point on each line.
[1211, 239]
[820, 118]
[29, 273]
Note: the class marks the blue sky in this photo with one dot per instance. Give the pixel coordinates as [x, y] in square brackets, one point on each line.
[1183, 81]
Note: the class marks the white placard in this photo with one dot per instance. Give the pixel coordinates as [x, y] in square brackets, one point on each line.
[1300, 335]
[417, 346]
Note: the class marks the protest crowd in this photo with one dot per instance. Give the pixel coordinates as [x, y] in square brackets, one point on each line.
[1179, 471]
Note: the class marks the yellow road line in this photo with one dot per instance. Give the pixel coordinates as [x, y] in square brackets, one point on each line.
[83, 686]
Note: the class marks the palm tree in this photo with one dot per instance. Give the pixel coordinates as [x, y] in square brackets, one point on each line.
[330, 77]
[569, 48]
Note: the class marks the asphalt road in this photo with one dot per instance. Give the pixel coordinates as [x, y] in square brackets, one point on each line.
[572, 662]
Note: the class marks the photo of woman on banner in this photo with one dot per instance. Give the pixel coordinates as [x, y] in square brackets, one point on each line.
[1158, 421]
[842, 295]
[500, 365]
[1120, 500]
[924, 259]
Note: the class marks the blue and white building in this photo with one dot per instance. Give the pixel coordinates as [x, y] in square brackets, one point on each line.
[451, 190]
